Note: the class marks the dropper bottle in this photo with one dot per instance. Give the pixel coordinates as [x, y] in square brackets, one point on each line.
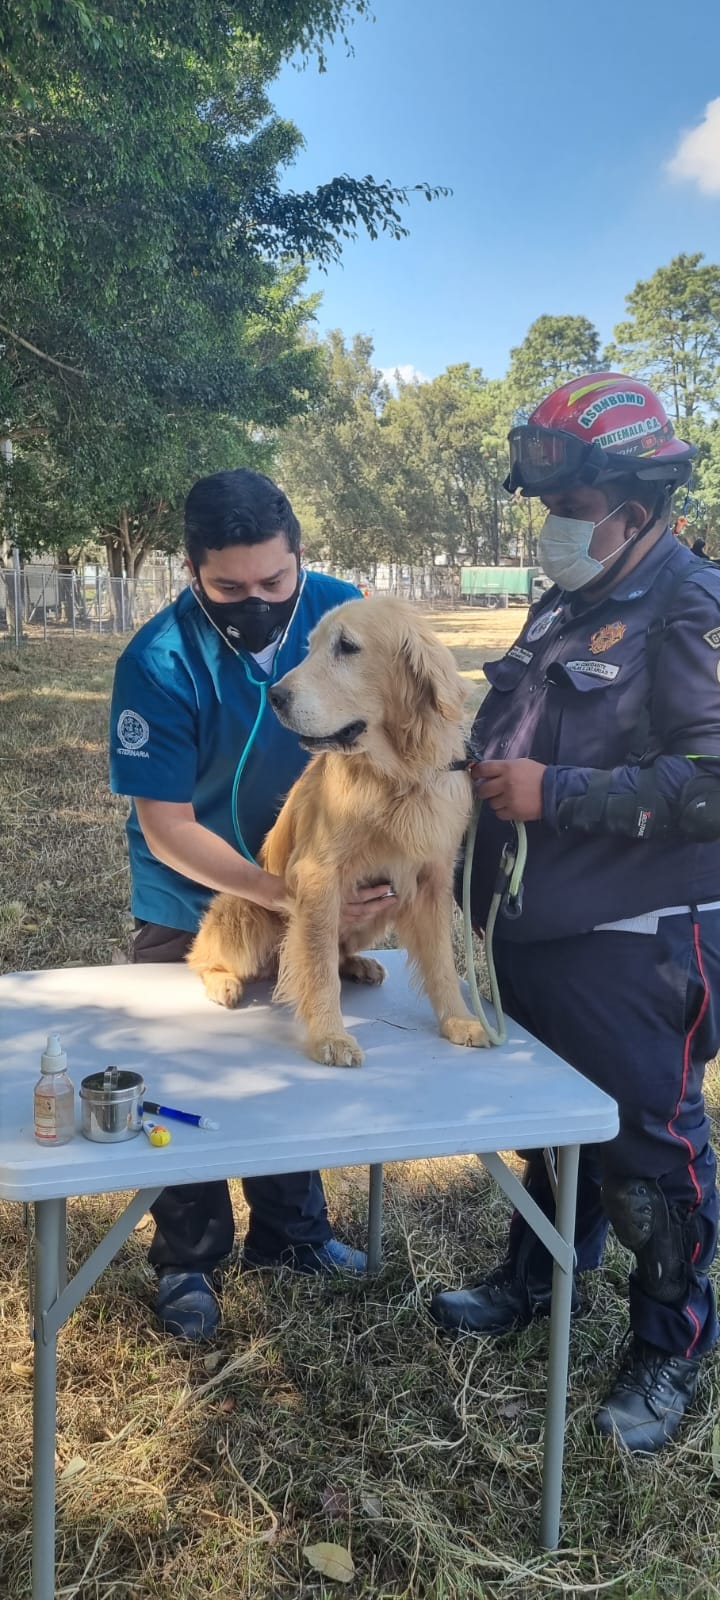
[54, 1096]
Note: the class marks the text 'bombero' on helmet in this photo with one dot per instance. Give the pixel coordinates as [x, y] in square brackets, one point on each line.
[597, 427]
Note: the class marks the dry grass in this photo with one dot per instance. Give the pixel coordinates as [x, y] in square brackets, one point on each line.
[333, 1411]
[474, 636]
[63, 874]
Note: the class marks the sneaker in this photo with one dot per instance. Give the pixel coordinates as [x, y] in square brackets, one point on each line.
[651, 1394]
[321, 1259]
[186, 1304]
[497, 1305]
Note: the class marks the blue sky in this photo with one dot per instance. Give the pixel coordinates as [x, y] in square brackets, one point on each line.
[553, 122]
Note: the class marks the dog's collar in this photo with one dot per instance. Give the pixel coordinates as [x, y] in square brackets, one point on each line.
[471, 754]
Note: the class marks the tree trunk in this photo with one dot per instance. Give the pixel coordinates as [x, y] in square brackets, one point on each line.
[113, 550]
[127, 591]
[123, 561]
[66, 579]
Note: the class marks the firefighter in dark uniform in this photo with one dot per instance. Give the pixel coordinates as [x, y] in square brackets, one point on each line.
[601, 731]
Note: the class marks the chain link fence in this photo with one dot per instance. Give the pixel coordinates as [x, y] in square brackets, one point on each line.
[42, 601]
[39, 601]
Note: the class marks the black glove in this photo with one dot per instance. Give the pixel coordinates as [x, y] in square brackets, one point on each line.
[641, 815]
[646, 814]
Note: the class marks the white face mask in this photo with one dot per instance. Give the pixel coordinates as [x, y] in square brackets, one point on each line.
[564, 550]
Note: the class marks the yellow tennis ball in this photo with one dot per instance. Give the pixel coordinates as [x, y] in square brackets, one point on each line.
[159, 1136]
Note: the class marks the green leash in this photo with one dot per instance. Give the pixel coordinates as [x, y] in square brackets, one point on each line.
[508, 887]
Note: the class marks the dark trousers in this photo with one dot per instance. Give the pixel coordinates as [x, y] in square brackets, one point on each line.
[639, 1014]
[194, 1228]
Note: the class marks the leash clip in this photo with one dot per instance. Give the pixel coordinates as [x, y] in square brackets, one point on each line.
[512, 904]
[512, 900]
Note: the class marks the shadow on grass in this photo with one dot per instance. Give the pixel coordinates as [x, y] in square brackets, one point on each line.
[332, 1410]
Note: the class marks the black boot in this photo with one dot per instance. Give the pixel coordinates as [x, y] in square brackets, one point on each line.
[501, 1302]
[648, 1401]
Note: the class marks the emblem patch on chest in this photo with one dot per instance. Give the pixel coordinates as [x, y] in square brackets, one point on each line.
[541, 625]
[606, 637]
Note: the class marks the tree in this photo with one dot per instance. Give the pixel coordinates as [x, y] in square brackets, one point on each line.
[704, 498]
[553, 350]
[453, 434]
[403, 478]
[671, 337]
[338, 465]
[149, 253]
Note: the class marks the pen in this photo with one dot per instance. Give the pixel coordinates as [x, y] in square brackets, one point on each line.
[181, 1116]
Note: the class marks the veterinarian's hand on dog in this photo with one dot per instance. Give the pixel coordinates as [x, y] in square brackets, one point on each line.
[359, 907]
[513, 789]
[272, 893]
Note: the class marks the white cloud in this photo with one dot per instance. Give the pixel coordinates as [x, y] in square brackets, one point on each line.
[697, 158]
[407, 374]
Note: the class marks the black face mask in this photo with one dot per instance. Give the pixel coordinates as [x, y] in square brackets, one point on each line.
[250, 624]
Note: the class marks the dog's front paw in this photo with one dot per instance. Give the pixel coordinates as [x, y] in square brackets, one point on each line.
[464, 1030]
[362, 969]
[336, 1050]
[223, 988]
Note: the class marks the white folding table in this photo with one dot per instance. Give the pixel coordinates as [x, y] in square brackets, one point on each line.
[415, 1096]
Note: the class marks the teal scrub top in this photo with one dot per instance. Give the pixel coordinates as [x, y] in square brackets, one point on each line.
[183, 708]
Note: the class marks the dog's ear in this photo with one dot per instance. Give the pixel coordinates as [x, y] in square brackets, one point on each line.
[429, 680]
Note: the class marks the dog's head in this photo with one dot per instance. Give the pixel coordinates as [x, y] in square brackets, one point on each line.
[376, 680]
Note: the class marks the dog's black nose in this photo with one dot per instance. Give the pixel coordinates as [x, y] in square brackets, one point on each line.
[280, 698]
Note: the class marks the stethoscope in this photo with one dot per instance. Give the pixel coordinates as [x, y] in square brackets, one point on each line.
[262, 685]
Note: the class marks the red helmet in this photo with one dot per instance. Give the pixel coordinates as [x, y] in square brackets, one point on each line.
[594, 428]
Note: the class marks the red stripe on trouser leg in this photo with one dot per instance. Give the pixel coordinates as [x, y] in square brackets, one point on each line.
[696, 1335]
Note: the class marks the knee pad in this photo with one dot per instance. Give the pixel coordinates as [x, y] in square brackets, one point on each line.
[658, 1238]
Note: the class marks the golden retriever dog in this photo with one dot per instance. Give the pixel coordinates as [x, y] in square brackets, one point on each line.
[379, 704]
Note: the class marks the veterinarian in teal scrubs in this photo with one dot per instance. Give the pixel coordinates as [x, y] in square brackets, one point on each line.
[188, 701]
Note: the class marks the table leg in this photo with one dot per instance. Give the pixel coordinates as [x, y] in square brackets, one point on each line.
[49, 1238]
[559, 1353]
[375, 1217]
[62, 1252]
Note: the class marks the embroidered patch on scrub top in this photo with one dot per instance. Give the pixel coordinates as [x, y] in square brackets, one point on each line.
[133, 732]
[595, 669]
[606, 637]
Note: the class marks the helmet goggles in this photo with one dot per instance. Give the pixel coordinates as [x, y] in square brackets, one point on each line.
[548, 460]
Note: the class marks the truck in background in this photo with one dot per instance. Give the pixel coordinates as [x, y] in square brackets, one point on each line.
[493, 587]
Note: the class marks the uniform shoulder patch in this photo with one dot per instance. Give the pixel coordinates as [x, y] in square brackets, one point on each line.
[132, 731]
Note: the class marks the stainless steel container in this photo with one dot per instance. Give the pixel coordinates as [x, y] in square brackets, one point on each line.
[111, 1105]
